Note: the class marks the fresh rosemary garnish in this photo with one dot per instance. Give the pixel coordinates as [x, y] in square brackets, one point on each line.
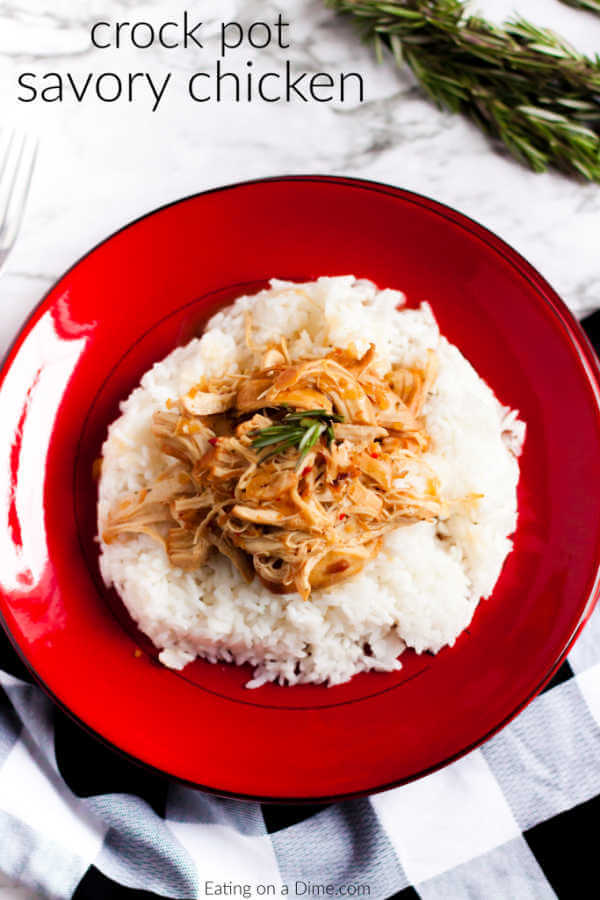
[296, 429]
[523, 85]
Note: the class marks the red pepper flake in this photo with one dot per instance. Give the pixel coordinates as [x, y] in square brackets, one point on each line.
[343, 516]
[374, 455]
[306, 470]
[213, 441]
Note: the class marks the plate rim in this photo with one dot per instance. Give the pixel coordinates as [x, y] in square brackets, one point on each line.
[572, 330]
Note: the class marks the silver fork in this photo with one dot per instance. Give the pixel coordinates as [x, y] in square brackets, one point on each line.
[17, 162]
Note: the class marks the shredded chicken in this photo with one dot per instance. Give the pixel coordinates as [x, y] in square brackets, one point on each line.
[299, 522]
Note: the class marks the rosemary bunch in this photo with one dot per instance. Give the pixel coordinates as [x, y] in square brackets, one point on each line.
[297, 429]
[521, 84]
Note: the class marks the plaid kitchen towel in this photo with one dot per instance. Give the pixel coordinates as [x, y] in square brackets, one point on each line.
[516, 818]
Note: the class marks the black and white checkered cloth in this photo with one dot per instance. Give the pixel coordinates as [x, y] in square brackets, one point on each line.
[515, 819]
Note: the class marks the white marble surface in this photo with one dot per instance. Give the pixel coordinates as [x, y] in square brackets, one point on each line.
[102, 165]
[11, 891]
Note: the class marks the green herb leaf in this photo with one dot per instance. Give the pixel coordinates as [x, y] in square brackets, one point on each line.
[313, 414]
[588, 5]
[266, 440]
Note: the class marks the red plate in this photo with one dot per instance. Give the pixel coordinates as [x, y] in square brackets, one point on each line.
[152, 286]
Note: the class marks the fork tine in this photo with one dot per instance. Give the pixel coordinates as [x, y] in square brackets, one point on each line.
[18, 191]
[16, 165]
[6, 154]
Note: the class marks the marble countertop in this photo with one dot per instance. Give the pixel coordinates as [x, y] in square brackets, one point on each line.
[101, 165]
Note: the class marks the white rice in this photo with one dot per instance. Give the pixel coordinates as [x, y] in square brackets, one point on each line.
[422, 589]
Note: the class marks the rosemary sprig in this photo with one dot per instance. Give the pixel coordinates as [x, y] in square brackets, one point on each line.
[296, 429]
[524, 85]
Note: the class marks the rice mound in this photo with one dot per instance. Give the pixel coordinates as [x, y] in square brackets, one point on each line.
[420, 591]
